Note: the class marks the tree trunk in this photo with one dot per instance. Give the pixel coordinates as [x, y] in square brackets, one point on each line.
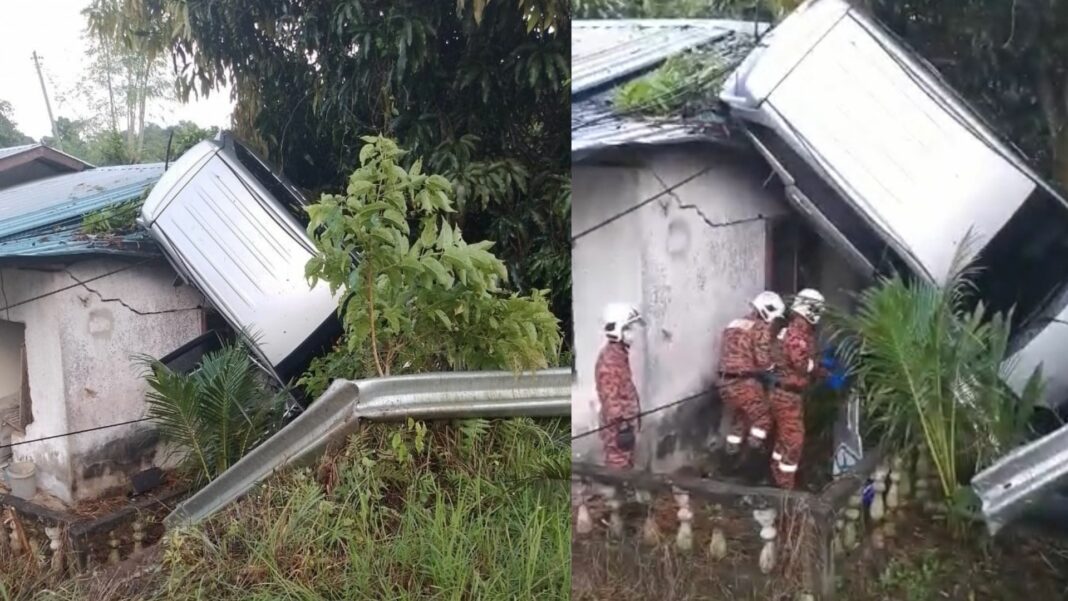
[1060, 158]
[1053, 97]
[111, 92]
[142, 100]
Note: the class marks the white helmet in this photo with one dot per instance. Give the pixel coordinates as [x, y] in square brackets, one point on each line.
[769, 305]
[617, 317]
[808, 304]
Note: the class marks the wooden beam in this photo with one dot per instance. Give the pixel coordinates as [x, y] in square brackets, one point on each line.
[709, 489]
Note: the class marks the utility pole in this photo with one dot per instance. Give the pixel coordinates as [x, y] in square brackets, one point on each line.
[48, 105]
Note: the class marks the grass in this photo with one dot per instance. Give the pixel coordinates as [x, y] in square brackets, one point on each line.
[115, 219]
[403, 512]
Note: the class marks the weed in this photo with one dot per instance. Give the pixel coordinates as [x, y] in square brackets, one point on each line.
[409, 511]
[914, 579]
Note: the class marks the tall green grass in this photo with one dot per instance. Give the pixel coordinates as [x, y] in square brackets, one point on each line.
[448, 512]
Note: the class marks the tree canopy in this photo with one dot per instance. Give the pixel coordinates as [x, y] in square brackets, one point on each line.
[479, 88]
[9, 131]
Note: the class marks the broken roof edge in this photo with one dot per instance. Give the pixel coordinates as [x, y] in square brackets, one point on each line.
[656, 135]
[596, 66]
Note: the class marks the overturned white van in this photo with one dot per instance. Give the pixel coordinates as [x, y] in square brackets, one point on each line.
[895, 169]
[235, 229]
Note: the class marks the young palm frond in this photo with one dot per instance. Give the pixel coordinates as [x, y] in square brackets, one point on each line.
[214, 415]
[931, 372]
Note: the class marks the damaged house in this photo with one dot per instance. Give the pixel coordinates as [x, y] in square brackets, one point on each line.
[75, 308]
[819, 157]
[104, 265]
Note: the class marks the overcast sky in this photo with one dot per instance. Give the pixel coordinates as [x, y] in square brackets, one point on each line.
[55, 28]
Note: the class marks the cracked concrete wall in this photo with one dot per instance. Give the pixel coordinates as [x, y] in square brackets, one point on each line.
[80, 346]
[691, 260]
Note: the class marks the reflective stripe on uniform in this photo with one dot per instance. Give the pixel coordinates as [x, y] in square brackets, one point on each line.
[760, 433]
[776, 456]
[787, 468]
[733, 439]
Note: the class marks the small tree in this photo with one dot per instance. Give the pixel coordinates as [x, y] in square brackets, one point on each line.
[214, 415]
[930, 372]
[416, 295]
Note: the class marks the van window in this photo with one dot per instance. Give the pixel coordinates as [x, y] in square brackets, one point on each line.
[1026, 263]
[292, 202]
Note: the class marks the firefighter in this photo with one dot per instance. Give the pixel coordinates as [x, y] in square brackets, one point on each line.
[745, 358]
[615, 387]
[798, 366]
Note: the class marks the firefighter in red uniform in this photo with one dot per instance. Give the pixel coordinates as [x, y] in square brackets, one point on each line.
[745, 358]
[798, 356]
[615, 387]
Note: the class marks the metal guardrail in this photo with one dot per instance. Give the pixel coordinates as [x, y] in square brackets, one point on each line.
[336, 413]
[1022, 479]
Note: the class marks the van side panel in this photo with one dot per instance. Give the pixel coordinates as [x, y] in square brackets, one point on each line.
[904, 158]
[247, 256]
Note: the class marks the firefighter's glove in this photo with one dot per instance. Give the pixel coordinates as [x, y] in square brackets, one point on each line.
[769, 378]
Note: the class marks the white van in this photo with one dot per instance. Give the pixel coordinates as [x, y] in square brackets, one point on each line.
[233, 228]
[894, 169]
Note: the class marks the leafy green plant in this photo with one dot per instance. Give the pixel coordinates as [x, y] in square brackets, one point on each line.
[685, 84]
[116, 219]
[417, 298]
[214, 415]
[929, 368]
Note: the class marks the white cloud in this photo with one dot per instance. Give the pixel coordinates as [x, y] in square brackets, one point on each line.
[54, 28]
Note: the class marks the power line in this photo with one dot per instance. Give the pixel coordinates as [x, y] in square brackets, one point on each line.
[643, 413]
[15, 444]
[664, 192]
[75, 285]
[670, 191]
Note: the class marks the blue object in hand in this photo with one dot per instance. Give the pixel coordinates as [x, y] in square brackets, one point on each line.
[836, 381]
[829, 361]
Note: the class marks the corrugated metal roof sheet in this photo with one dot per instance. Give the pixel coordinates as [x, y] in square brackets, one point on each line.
[606, 54]
[44, 218]
[11, 150]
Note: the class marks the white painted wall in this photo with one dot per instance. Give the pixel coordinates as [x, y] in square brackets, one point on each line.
[80, 348]
[688, 277]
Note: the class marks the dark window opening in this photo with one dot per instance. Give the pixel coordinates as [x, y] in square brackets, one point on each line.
[16, 404]
[284, 192]
[793, 256]
[1025, 265]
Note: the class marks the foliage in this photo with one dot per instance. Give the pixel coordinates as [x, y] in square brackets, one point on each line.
[419, 299]
[763, 10]
[104, 147]
[121, 82]
[930, 372]
[115, 219]
[9, 131]
[214, 415]
[685, 84]
[406, 511]
[478, 88]
[1008, 58]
